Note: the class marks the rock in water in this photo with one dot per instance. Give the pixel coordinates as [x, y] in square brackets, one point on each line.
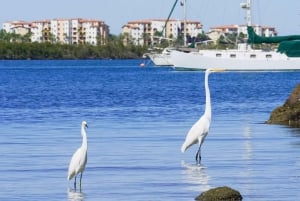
[289, 112]
[220, 194]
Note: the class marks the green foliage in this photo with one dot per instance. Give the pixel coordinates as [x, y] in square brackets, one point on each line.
[13, 47]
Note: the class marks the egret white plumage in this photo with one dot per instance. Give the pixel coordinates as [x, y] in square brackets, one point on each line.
[200, 129]
[79, 158]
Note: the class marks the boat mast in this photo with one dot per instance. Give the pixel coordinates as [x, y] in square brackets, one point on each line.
[184, 12]
[247, 6]
[164, 27]
[249, 18]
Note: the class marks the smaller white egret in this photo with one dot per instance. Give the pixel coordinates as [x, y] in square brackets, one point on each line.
[79, 158]
[200, 129]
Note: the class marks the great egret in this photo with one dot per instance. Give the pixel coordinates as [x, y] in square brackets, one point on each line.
[79, 158]
[200, 129]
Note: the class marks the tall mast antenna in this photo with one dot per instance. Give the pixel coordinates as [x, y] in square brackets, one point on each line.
[247, 6]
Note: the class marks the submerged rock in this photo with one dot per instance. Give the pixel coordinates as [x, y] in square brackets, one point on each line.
[220, 194]
[289, 112]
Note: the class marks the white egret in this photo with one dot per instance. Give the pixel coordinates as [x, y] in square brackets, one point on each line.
[200, 129]
[79, 158]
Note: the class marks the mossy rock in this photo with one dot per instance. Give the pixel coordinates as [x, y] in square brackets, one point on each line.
[289, 112]
[220, 194]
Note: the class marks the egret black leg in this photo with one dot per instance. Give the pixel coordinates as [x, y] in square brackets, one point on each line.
[198, 156]
[80, 180]
[75, 183]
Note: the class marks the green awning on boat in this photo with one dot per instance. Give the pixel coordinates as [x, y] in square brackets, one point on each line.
[253, 38]
[290, 48]
[289, 45]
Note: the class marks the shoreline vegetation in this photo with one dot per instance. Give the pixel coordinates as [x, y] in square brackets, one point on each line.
[39, 51]
[17, 47]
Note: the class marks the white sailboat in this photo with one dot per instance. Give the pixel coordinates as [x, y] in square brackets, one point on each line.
[163, 58]
[244, 58]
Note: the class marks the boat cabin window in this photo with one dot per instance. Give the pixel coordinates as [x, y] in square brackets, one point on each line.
[268, 56]
[253, 56]
[218, 55]
[233, 56]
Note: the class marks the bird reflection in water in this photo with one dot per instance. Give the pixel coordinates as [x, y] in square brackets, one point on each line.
[197, 176]
[75, 196]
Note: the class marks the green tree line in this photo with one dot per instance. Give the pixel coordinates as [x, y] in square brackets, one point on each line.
[15, 46]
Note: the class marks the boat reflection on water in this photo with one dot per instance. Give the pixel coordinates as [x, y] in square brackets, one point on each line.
[248, 143]
[247, 156]
[196, 175]
[75, 196]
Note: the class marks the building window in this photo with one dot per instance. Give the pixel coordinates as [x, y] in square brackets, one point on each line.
[268, 56]
[233, 56]
[252, 56]
[218, 55]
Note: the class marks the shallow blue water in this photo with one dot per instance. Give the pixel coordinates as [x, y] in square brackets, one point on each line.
[138, 119]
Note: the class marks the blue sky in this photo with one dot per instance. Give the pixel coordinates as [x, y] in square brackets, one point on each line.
[278, 13]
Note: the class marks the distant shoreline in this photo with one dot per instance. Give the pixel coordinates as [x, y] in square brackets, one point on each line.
[48, 51]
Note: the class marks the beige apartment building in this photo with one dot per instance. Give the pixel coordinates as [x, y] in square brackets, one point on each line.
[216, 31]
[19, 27]
[150, 32]
[64, 31]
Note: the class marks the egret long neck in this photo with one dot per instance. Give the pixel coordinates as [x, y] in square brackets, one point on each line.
[84, 139]
[207, 95]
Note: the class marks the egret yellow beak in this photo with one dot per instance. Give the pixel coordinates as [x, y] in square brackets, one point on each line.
[218, 70]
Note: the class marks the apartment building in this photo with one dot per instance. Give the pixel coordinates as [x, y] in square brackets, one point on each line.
[18, 27]
[64, 31]
[215, 32]
[151, 31]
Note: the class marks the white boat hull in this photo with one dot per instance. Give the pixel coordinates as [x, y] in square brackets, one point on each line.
[234, 60]
[160, 59]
